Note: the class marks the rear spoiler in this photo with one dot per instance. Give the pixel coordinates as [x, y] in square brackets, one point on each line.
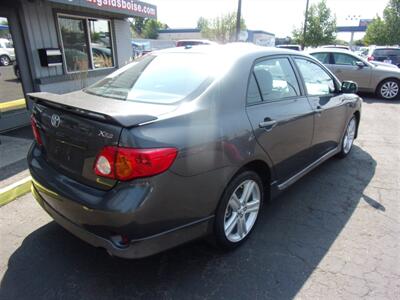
[94, 107]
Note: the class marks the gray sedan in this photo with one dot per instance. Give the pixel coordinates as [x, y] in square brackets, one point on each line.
[380, 79]
[184, 143]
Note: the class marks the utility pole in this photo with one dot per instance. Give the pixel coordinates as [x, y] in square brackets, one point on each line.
[238, 18]
[305, 27]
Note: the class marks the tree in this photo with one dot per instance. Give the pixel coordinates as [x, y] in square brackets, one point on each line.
[386, 30]
[376, 32]
[360, 43]
[321, 26]
[202, 23]
[221, 29]
[150, 29]
[146, 28]
[137, 25]
[391, 16]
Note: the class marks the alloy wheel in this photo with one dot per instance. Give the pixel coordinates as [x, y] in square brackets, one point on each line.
[349, 136]
[242, 210]
[390, 90]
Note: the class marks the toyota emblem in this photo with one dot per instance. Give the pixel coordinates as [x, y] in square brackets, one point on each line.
[55, 120]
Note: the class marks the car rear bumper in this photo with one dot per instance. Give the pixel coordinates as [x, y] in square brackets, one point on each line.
[137, 248]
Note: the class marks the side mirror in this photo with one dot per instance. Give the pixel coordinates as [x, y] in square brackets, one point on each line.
[360, 64]
[349, 87]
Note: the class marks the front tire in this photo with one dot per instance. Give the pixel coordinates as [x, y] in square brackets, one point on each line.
[5, 60]
[238, 210]
[389, 89]
[348, 138]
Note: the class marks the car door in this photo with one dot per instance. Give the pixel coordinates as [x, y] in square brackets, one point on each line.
[280, 114]
[350, 68]
[9, 48]
[328, 104]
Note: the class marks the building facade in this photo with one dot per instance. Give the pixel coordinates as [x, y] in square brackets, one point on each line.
[93, 40]
[64, 45]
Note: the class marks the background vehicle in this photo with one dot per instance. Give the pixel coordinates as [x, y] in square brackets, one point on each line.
[7, 54]
[337, 47]
[291, 47]
[182, 43]
[186, 142]
[390, 55]
[379, 79]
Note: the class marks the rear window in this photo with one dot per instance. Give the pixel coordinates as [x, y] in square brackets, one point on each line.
[164, 78]
[387, 52]
[322, 57]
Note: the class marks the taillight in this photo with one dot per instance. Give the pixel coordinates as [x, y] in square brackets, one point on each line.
[35, 130]
[371, 57]
[129, 163]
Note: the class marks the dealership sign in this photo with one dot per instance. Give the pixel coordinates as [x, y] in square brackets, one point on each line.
[126, 7]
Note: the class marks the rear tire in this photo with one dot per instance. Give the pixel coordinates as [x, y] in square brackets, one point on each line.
[238, 210]
[389, 89]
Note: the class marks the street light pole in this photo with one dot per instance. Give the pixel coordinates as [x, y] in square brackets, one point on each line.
[305, 27]
[238, 17]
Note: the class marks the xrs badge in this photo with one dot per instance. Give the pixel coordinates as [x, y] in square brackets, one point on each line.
[105, 134]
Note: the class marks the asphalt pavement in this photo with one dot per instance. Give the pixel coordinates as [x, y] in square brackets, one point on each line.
[14, 146]
[335, 234]
[10, 86]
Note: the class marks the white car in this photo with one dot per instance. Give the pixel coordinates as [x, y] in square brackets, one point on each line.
[7, 54]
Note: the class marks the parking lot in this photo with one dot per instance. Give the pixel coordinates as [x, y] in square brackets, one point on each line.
[333, 235]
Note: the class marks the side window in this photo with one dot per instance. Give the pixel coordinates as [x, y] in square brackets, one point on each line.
[276, 79]
[317, 81]
[253, 94]
[344, 59]
[322, 57]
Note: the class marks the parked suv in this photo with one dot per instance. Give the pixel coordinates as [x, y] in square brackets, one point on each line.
[184, 143]
[390, 55]
[7, 54]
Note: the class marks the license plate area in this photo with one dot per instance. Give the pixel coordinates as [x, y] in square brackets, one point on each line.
[66, 155]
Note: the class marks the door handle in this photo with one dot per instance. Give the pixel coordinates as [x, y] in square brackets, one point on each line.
[318, 109]
[267, 124]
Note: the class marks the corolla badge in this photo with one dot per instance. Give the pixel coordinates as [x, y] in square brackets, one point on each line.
[55, 120]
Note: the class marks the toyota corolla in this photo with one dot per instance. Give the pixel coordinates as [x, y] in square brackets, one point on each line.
[186, 143]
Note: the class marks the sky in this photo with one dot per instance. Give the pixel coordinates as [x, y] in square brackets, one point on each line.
[277, 16]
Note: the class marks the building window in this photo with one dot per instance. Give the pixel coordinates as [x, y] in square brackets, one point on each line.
[86, 43]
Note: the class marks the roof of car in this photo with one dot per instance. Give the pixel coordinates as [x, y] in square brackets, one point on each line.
[235, 50]
[334, 50]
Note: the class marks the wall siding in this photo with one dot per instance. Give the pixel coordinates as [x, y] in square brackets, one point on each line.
[41, 31]
[39, 22]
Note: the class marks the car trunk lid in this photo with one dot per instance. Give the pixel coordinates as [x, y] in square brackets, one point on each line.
[75, 127]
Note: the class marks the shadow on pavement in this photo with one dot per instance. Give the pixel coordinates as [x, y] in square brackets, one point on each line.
[371, 98]
[292, 236]
[14, 147]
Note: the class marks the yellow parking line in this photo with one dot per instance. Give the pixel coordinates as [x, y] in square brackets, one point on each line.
[12, 105]
[15, 190]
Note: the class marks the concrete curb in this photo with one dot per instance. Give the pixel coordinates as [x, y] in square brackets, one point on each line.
[15, 190]
[12, 105]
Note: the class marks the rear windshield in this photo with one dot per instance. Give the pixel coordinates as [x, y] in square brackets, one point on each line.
[164, 78]
[387, 52]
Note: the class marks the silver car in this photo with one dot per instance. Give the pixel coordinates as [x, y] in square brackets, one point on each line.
[380, 79]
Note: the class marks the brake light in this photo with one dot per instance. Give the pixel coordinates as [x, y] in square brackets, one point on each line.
[371, 57]
[35, 130]
[129, 163]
